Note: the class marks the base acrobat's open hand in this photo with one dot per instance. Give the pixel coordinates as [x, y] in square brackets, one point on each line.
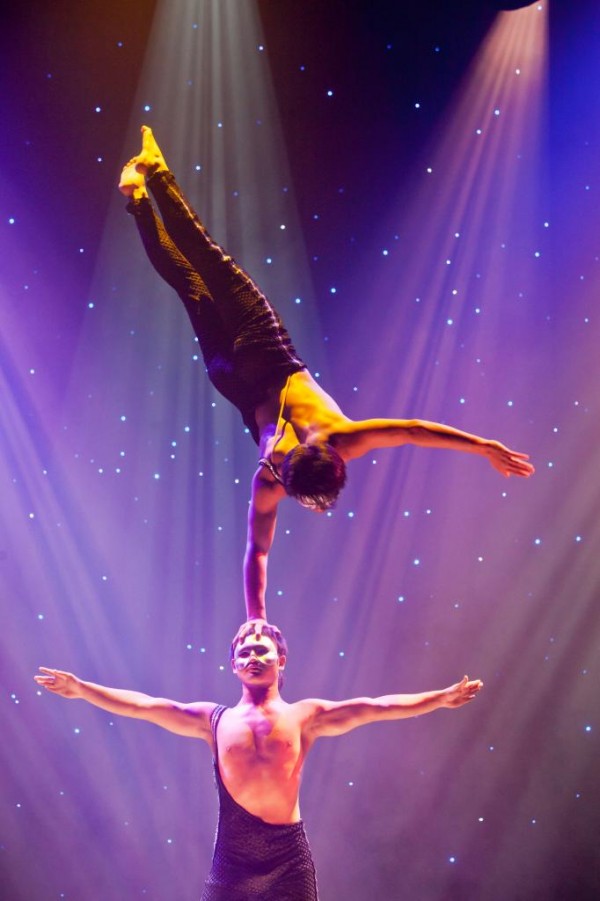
[58, 682]
[461, 693]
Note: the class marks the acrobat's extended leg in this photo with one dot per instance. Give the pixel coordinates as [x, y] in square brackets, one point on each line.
[170, 264]
[174, 268]
[220, 272]
[263, 350]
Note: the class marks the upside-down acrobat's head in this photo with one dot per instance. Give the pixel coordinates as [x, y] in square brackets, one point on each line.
[314, 474]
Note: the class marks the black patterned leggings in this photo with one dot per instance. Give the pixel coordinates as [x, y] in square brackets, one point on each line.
[245, 346]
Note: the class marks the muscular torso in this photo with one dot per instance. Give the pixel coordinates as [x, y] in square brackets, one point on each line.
[299, 412]
[261, 751]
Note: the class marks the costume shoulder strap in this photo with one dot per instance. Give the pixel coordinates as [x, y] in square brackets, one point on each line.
[268, 464]
[214, 722]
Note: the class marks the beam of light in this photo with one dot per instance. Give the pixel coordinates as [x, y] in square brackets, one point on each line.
[135, 561]
[447, 331]
[435, 571]
[458, 294]
[474, 327]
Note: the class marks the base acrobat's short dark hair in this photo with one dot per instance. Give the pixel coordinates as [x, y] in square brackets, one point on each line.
[314, 474]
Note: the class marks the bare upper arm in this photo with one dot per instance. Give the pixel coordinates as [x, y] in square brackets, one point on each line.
[266, 491]
[327, 718]
[357, 437]
[191, 720]
[353, 439]
[262, 514]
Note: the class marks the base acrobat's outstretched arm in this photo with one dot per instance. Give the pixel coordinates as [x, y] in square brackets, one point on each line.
[192, 720]
[338, 717]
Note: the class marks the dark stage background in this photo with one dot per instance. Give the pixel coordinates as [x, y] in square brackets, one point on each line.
[416, 185]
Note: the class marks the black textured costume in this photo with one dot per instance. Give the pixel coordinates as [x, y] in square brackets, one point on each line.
[245, 346]
[256, 860]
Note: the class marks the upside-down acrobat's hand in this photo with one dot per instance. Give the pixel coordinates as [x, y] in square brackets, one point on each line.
[508, 462]
[461, 693]
[58, 682]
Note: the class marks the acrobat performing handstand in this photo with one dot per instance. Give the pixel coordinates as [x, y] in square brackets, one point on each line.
[304, 438]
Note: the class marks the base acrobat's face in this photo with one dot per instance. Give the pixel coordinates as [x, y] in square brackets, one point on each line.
[255, 658]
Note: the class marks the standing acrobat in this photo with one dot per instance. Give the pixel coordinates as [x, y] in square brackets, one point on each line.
[259, 748]
[304, 438]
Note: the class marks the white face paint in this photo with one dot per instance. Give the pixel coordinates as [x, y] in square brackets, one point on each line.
[255, 650]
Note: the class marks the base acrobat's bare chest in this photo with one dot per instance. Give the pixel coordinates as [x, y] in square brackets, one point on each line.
[255, 739]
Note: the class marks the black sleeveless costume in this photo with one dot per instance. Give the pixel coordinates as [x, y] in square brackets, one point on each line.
[245, 346]
[256, 860]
